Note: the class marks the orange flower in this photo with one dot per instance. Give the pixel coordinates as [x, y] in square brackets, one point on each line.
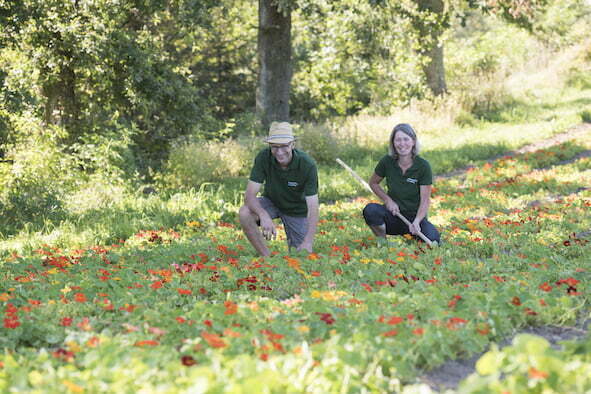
[213, 340]
[231, 334]
[93, 342]
[418, 331]
[315, 273]
[516, 301]
[537, 374]
[390, 333]
[147, 342]
[184, 291]
[231, 308]
[84, 324]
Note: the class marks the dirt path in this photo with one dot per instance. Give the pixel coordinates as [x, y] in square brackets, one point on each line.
[450, 374]
[557, 139]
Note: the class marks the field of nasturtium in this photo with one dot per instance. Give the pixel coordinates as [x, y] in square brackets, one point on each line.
[192, 309]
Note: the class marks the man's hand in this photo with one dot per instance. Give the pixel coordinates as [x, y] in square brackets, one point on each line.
[267, 227]
[306, 245]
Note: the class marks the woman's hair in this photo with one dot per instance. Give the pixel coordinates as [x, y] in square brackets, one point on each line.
[408, 130]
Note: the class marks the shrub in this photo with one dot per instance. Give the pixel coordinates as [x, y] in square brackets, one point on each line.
[192, 163]
[586, 116]
[31, 188]
[319, 142]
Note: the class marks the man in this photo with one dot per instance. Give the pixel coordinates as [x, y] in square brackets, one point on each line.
[291, 193]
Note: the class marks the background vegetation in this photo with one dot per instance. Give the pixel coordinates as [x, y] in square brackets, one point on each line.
[119, 115]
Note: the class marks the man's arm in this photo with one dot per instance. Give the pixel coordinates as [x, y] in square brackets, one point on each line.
[251, 201]
[312, 203]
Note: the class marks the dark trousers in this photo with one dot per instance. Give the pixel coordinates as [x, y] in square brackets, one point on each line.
[377, 215]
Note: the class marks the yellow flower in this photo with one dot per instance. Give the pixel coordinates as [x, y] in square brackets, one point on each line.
[303, 329]
[73, 346]
[66, 290]
[73, 387]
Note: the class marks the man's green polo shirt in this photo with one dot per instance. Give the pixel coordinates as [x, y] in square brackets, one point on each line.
[404, 189]
[287, 188]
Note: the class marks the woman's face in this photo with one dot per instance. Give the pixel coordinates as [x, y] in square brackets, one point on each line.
[403, 143]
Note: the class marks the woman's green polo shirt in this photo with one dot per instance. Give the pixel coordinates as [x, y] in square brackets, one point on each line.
[286, 188]
[404, 189]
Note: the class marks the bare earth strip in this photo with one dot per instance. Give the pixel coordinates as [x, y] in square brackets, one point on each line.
[568, 135]
[452, 372]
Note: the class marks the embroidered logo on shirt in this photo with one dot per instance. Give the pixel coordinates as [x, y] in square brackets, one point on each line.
[292, 184]
[411, 180]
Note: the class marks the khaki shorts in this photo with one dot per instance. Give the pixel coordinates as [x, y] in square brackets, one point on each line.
[295, 227]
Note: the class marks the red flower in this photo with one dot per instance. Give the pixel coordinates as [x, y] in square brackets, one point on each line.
[184, 291]
[326, 317]
[188, 361]
[545, 287]
[418, 331]
[390, 333]
[395, 320]
[80, 297]
[530, 312]
[66, 322]
[156, 285]
[11, 323]
[516, 301]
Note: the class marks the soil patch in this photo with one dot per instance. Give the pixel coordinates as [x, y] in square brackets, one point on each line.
[450, 374]
[557, 139]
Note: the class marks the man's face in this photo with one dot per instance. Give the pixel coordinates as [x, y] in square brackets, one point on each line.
[283, 153]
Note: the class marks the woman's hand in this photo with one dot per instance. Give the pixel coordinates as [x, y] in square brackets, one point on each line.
[392, 207]
[415, 227]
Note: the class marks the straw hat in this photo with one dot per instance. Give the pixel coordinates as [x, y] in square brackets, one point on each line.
[280, 133]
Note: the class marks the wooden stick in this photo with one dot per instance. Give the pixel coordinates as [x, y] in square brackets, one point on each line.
[366, 185]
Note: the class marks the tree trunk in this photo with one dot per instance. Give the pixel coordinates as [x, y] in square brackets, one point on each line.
[274, 55]
[431, 46]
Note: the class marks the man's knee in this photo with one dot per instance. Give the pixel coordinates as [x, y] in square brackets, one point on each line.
[246, 215]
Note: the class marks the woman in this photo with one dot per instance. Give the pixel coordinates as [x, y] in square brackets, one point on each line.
[409, 181]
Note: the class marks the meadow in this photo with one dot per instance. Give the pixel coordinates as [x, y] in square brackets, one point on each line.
[113, 285]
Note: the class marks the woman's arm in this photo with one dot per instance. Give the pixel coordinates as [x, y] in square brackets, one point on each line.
[374, 184]
[425, 195]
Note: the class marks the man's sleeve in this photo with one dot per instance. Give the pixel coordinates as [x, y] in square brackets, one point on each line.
[311, 187]
[257, 174]
[380, 169]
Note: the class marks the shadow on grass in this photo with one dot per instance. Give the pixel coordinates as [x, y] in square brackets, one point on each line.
[516, 110]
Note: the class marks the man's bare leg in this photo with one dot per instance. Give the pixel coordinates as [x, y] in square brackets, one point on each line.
[248, 220]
